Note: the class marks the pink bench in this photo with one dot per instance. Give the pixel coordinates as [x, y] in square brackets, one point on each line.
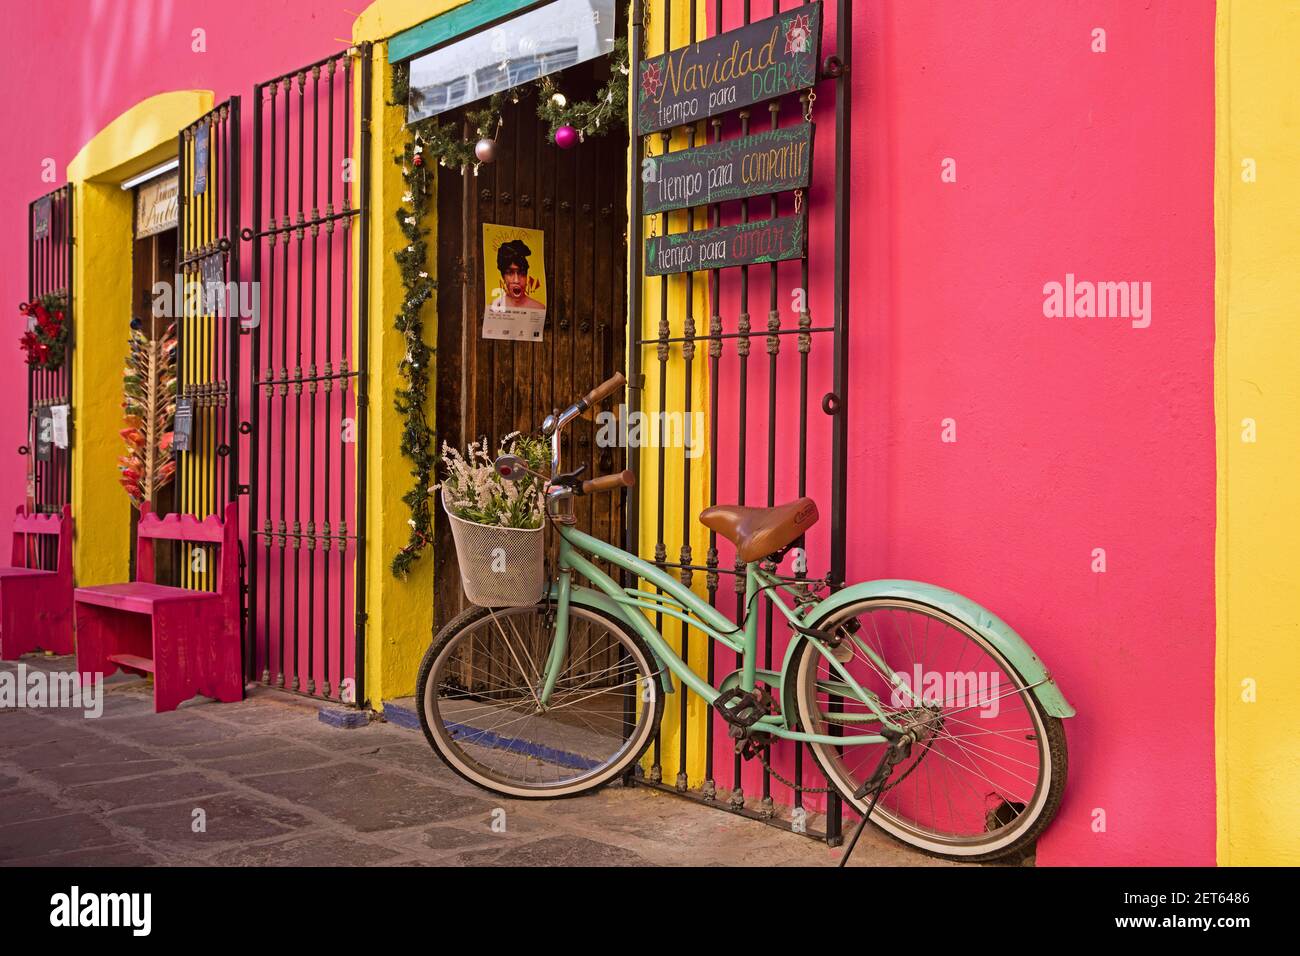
[36, 605]
[189, 640]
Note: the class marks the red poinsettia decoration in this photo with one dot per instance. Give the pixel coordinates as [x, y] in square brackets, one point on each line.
[651, 78]
[46, 338]
[798, 35]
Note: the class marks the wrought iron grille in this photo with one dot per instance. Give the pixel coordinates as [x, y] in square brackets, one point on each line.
[49, 272]
[747, 356]
[307, 411]
[207, 329]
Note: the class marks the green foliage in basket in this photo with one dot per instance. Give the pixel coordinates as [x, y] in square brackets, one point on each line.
[475, 492]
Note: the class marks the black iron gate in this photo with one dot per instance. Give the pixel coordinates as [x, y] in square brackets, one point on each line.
[755, 330]
[208, 323]
[307, 412]
[49, 279]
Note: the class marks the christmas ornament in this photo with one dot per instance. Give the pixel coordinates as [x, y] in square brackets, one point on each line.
[485, 150]
[418, 160]
[566, 136]
[559, 101]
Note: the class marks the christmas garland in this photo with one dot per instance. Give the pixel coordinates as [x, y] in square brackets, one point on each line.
[588, 117]
[412, 398]
[567, 122]
[46, 339]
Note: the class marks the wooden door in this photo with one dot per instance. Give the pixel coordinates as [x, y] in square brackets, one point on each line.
[490, 388]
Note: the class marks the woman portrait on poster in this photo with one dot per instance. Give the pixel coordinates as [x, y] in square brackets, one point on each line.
[512, 263]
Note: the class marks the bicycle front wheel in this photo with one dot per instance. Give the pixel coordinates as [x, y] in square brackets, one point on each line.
[483, 710]
[988, 770]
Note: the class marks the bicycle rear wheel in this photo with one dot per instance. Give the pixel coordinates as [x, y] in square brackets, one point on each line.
[479, 696]
[988, 770]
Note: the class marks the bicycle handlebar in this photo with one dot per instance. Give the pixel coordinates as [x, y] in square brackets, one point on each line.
[623, 479]
[604, 389]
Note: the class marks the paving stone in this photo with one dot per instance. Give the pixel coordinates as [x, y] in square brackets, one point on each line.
[303, 785]
[147, 790]
[122, 854]
[313, 850]
[230, 818]
[555, 851]
[72, 774]
[53, 835]
[70, 748]
[270, 761]
[22, 805]
[174, 729]
[386, 801]
[241, 745]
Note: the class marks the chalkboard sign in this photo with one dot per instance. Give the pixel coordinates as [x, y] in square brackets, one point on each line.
[201, 141]
[770, 162]
[732, 70]
[183, 425]
[769, 240]
[44, 433]
[41, 218]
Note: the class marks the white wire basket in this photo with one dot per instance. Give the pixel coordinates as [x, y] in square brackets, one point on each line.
[499, 567]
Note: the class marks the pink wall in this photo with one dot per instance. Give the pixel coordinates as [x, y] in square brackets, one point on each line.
[1073, 434]
[78, 65]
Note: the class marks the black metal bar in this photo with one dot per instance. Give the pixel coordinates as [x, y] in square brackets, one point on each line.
[363, 358]
[688, 357]
[255, 390]
[327, 380]
[843, 237]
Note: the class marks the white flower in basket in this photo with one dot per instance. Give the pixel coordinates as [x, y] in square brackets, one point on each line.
[497, 524]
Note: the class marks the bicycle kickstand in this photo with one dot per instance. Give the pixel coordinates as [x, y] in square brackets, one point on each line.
[900, 745]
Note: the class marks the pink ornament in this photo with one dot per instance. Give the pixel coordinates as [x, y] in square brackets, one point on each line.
[565, 137]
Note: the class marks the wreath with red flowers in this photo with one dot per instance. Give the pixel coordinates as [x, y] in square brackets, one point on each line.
[46, 338]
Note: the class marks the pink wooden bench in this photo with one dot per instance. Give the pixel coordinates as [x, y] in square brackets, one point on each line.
[36, 605]
[189, 640]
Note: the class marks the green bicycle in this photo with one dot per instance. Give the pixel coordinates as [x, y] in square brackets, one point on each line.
[926, 712]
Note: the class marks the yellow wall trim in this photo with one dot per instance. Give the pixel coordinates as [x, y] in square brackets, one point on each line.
[143, 136]
[384, 18]
[1257, 412]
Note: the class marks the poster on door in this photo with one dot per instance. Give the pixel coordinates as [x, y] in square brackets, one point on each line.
[514, 272]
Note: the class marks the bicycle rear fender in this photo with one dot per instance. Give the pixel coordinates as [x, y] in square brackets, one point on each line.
[599, 601]
[1010, 644]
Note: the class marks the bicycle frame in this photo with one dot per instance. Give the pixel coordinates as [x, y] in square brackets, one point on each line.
[680, 602]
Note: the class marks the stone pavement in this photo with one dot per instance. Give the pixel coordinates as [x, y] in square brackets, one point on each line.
[264, 782]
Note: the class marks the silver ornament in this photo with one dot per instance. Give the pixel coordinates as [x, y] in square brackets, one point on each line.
[486, 150]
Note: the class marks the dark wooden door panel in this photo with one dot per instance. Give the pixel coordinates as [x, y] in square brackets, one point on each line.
[489, 388]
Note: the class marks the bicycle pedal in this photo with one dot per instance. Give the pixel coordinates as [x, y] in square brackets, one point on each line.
[742, 709]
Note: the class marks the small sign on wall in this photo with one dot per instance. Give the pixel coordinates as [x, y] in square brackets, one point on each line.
[514, 272]
[155, 206]
[183, 425]
[730, 71]
[41, 218]
[44, 433]
[59, 424]
[773, 161]
[768, 240]
[201, 141]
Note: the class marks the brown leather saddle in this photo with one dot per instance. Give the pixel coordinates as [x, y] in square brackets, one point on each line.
[758, 532]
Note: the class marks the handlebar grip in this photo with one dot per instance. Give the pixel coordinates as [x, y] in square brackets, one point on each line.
[624, 479]
[605, 389]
